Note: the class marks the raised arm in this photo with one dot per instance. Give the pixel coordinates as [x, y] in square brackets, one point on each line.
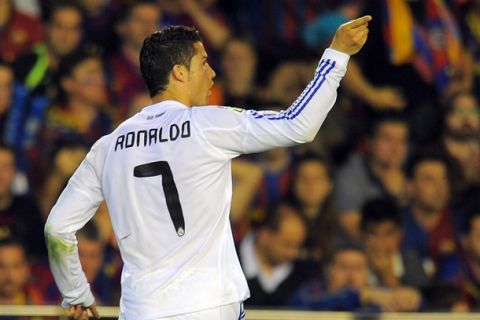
[252, 131]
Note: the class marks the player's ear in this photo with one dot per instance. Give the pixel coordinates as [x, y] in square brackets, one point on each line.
[179, 73]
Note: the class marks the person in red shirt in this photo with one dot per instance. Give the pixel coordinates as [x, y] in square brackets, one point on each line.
[431, 225]
[18, 32]
[15, 275]
[136, 21]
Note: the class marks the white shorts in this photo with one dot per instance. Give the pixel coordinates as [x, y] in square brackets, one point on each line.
[233, 311]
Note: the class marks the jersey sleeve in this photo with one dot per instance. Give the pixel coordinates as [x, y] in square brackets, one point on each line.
[235, 131]
[75, 207]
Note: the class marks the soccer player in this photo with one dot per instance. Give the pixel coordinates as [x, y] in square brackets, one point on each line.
[165, 174]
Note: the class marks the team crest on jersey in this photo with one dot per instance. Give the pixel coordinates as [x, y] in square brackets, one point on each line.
[239, 110]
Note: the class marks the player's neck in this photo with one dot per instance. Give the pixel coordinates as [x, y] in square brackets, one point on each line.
[169, 94]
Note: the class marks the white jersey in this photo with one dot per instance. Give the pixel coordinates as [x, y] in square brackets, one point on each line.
[165, 174]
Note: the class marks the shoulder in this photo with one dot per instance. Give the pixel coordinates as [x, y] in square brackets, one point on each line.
[98, 151]
[217, 116]
[217, 109]
[101, 143]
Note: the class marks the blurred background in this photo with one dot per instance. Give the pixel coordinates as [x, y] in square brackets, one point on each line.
[380, 213]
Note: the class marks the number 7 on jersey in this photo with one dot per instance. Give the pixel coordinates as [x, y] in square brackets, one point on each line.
[162, 168]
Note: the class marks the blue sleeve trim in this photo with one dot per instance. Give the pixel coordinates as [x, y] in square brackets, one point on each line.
[291, 113]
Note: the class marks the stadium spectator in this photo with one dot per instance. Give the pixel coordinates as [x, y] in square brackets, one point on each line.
[247, 176]
[81, 113]
[246, 181]
[15, 288]
[376, 172]
[415, 56]
[237, 84]
[35, 77]
[63, 33]
[80, 117]
[20, 216]
[276, 165]
[430, 226]
[273, 25]
[18, 32]
[99, 23]
[391, 265]
[286, 82]
[311, 191]
[470, 267]
[345, 287]
[64, 162]
[204, 14]
[269, 257]
[136, 20]
[460, 139]
[91, 250]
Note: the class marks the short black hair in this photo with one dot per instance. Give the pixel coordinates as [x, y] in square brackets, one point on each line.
[345, 246]
[162, 50]
[69, 63]
[275, 216]
[449, 102]
[62, 5]
[424, 156]
[13, 241]
[379, 210]
[125, 10]
[380, 118]
[311, 156]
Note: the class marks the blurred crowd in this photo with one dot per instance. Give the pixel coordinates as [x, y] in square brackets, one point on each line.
[381, 212]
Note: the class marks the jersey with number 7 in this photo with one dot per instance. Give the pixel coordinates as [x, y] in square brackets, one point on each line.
[165, 174]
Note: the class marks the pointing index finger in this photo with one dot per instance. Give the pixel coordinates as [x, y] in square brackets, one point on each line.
[359, 22]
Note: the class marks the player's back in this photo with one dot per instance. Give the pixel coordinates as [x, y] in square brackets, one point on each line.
[169, 194]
